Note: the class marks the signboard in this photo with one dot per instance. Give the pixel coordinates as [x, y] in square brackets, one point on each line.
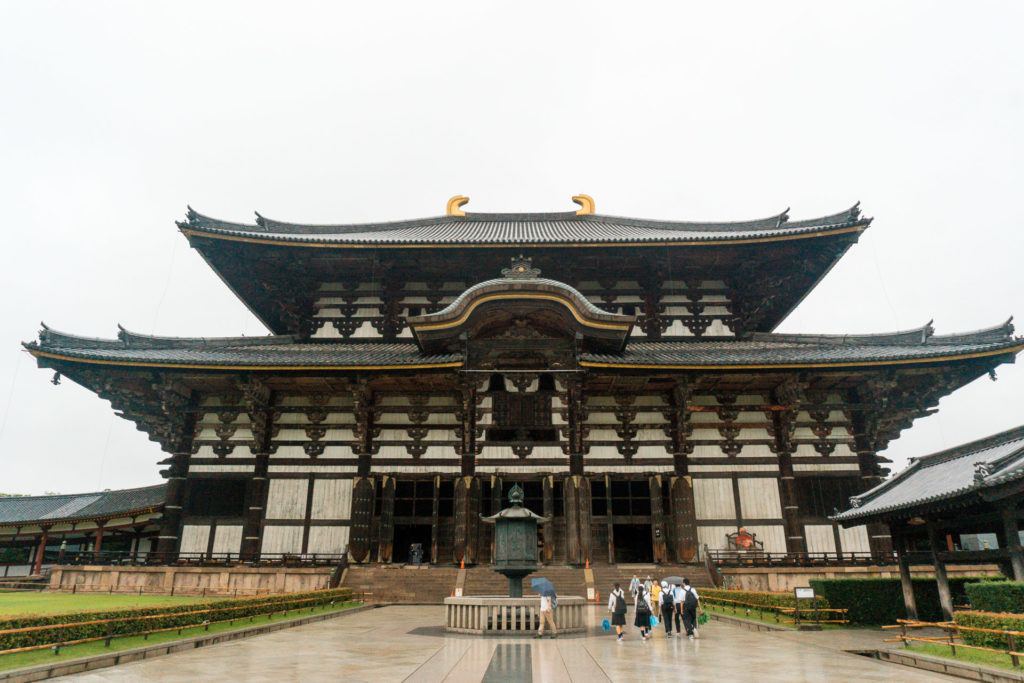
[458, 592]
[804, 593]
[590, 593]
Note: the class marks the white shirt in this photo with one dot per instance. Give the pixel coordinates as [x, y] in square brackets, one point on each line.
[611, 599]
[682, 593]
[545, 603]
[677, 594]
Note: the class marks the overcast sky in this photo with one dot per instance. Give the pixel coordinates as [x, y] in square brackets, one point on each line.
[114, 116]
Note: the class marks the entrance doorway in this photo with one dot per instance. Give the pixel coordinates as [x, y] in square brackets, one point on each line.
[405, 536]
[633, 544]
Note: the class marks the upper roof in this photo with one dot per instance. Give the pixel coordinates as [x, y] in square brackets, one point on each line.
[80, 506]
[523, 229]
[948, 475]
[286, 352]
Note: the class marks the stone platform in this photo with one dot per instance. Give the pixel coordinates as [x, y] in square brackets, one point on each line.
[504, 616]
[184, 580]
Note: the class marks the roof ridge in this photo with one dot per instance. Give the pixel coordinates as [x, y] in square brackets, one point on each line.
[921, 334]
[965, 449]
[48, 496]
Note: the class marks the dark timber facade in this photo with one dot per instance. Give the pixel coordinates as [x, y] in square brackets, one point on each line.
[623, 371]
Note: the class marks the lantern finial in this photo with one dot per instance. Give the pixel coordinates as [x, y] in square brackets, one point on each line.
[515, 495]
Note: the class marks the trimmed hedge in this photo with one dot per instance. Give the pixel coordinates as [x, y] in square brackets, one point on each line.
[134, 621]
[764, 599]
[880, 601]
[997, 596]
[977, 619]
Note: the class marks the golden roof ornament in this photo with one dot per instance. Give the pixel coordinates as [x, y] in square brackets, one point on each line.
[521, 269]
[586, 203]
[455, 205]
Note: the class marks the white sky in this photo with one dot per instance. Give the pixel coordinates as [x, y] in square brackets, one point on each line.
[113, 116]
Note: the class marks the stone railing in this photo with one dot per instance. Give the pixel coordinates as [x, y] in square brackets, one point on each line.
[501, 616]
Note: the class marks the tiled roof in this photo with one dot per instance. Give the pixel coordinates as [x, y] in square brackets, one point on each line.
[523, 228]
[103, 504]
[945, 475]
[283, 351]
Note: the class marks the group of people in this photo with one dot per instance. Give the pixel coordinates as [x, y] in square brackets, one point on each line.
[677, 602]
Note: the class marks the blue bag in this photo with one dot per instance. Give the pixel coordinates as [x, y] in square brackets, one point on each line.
[654, 621]
[606, 625]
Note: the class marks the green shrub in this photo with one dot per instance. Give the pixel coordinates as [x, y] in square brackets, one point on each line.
[997, 596]
[76, 626]
[994, 620]
[880, 601]
[764, 599]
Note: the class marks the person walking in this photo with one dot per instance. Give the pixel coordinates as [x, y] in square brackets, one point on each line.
[691, 601]
[656, 594]
[644, 609]
[668, 609]
[677, 606]
[547, 614]
[634, 585]
[648, 584]
[617, 606]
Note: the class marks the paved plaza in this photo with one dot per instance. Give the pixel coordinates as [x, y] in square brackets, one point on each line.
[405, 643]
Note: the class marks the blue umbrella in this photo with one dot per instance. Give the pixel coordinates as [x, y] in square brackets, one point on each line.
[542, 586]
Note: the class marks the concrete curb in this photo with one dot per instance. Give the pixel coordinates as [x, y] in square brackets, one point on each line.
[748, 624]
[42, 672]
[971, 672]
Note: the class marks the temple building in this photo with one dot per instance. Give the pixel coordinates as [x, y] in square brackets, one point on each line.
[623, 371]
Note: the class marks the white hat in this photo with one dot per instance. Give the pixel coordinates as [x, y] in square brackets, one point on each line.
[664, 584]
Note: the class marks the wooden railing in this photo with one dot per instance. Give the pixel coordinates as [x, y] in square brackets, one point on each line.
[798, 615]
[952, 632]
[119, 558]
[758, 558]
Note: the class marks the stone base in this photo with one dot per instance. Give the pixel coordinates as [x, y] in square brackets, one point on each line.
[234, 581]
[504, 616]
[785, 579]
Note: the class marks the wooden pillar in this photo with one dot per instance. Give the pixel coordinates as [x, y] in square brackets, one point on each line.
[575, 415]
[256, 490]
[945, 597]
[467, 520]
[547, 484]
[902, 544]
[170, 525]
[658, 529]
[467, 447]
[1011, 531]
[496, 504]
[879, 540]
[609, 515]
[37, 567]
[684, 519]
[583, 516]
[97, 544]
[385, 549]
[363, 495]
[571, 505]
[435, 520]
[792, 526]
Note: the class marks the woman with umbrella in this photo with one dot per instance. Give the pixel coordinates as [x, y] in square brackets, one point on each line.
[548, 602]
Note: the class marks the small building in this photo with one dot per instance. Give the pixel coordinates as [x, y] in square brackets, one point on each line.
[961, 505]
[37, 532]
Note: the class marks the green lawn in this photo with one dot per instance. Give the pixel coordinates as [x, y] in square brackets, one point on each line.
[965, 655]
[765, 617]
[17, 604]
[37, 657]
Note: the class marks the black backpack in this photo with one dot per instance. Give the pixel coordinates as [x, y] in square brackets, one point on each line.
[689, 599]
[620, 604]
[668, 600]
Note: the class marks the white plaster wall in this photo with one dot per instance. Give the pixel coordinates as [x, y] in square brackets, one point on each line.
[329, 540]
[194, 538]
[713, 499]
[332, 499]
[854, 539]
[714, 537]
[282, 539]
[759, 498]
[286, 499]
[228, 539]
[820, 538]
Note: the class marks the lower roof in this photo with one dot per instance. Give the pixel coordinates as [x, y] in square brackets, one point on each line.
[944, 476]
[287, 353]
[51, 509]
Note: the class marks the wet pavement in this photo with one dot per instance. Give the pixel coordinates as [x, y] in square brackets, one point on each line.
[405, 643]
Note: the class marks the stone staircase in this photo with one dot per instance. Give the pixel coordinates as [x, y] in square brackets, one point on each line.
[606, 575]
[410, 584]
[426, 584]
[485, 581]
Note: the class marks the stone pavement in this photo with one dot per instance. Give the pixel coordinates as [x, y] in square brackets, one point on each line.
[405, 643]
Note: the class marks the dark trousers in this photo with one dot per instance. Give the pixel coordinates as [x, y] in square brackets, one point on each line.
[689, 619]
[678, 610]
[666, 618]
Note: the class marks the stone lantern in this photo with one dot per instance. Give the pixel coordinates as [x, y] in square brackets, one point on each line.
[515, 541]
